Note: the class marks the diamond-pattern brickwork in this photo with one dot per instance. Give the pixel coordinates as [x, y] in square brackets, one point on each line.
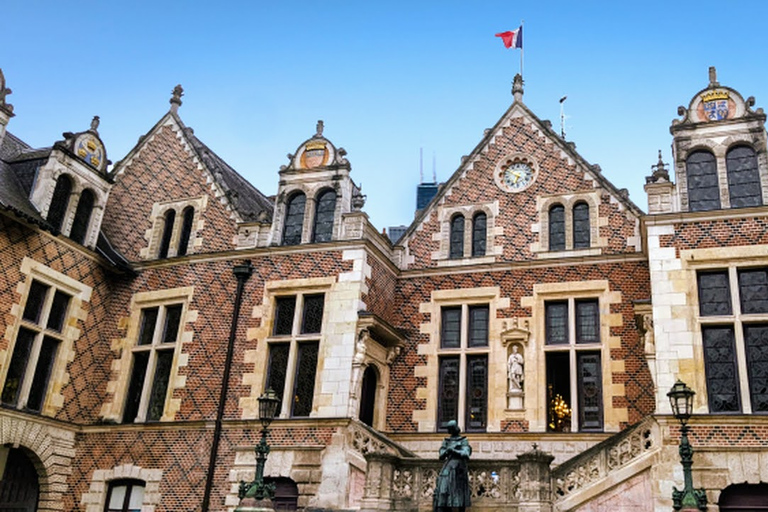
[380, 298]
[718, 233]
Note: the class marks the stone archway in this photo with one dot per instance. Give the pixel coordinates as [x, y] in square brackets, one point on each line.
[744, 497]
[19, 482]
[286, 493]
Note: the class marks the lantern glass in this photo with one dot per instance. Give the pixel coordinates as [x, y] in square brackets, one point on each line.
[268, 407]
[681, 401]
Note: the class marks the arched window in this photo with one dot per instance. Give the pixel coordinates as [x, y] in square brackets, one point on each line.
[368, 395]
[20, 487]
[326, 206]
[743, 177]
[125, 496]
[478, 234]
[82, 216]
[456, 249]
[165, 241]
[186, 229]
[557, 228]
[703, 188]
[581, 228]
[743, 497]
[59, 202]
[294, 219]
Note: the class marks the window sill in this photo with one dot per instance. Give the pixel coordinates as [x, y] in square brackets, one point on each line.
[572, 253]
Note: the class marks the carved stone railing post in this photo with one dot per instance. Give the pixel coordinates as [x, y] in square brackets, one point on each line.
[535, 487]
[377, 494]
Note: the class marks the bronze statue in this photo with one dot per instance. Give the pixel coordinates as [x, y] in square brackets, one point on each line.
[452, 487]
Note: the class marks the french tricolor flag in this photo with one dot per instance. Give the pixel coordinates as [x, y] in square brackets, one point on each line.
[512, 38]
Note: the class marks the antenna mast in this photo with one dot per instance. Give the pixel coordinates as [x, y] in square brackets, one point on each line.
[421, 165]
[562, 117]
[434, 168]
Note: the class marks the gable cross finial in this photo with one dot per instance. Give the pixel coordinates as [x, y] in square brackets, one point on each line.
[95, 124]
[713, 77]
[4, 91]
[175, 100]
[320, 127]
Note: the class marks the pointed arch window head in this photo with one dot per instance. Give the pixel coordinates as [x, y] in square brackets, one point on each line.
[60, 202]
[479, 232]
[294, 219]
[187, 216]
[165, 241]
[82, 216]
[743, 177]
[326, 207]
[703, 188]
[581, 226]
[456, 249]
[557, 228]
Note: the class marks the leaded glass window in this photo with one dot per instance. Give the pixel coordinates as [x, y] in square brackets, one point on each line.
[581, 226]
[304, 390]
[479, 222]
[456, 250]
[721, 369]
[477, 393]
[590, 391]
[556, 318]
[753, 290]
[743, 177]
[448, 391]
[587, 321]
[756, 344]
[285, 309]
[703, 186]
[557, 228]
[187, 216]
[294, 219]
[451, 327]
[326, 207]
[59, 202]
[82, 217]
[278, 369]
[313, 313]
[714, 293]
[165, 241]
[125, 496]
[478, 326]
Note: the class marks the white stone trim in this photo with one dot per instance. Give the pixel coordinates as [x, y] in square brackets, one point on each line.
[94, 500]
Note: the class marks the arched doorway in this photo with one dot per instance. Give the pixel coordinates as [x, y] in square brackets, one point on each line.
[368, 395]
[286, 493]
[743, 497]
[19, 486]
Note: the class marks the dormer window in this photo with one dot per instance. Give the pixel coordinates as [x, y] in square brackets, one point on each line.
[326, 207]
[294, 219]
[743, 177]
[60, 202]
[703, 188]
[82, 216]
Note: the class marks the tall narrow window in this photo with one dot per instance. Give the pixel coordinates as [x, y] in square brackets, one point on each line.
[743, 177]
[557, 228]
[82, 217]
[125, 496]
[326, 207]
[59, 202]
[456, 249]
[477, 393]
[479, 234]
[703, 188]
[448, 391]
[152, 363]
[294, 219]
[37, 342]
[187, 216]
[165, 242]
[581, 227]
[368, 395]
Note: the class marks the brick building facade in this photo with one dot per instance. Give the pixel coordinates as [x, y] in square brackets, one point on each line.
[530, 300]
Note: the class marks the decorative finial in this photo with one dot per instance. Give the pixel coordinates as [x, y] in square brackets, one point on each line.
[713, 77]
[4, 91]
[517, 87]
[175, 100]
[320, 127]
[95, 124]
[660, 172]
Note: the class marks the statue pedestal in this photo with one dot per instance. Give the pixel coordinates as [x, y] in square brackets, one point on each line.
[248, 504]
[515, 400]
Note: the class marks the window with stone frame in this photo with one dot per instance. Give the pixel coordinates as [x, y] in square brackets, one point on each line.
[743, 177]
[463, 350]
[153, 355]
[573, 365]
[479, 234]
[125, 495]
[733, 315]
[324, 213]
[703, 186]
[294, 219]
[169, 219]
[456, 243]
[40, 333]
[293, 351]
[82, 216]
[581, 226]
[187, 218]
[57, 210]
[557, 227]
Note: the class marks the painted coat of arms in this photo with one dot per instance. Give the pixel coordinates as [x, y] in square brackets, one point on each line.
[715, 105]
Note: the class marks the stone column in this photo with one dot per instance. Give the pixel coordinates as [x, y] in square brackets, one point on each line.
[377, 494]
[535, 481]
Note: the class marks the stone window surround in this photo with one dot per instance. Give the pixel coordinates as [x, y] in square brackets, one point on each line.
[311, 192]
[121, 375]
[568, 201]
[80, 293]
[377, 356]
[445, 215]
[154, 234]
[78, 186]
[95, 498]
[535, 372]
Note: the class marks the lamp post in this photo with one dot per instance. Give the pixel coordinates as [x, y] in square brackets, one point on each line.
[681, 400]
[257, 496]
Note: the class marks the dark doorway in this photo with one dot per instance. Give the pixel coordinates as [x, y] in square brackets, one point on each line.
[286, 493]
[743, 497]
[368, 396]
[19, 486]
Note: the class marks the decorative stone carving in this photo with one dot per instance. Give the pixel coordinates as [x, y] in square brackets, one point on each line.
[4, 91]
[515, 337]
[515, 374]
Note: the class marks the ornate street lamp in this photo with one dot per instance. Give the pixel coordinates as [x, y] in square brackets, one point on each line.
[681, 400]
[257, 496]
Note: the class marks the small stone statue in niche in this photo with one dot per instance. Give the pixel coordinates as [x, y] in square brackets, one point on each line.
[452, 487]
[515, 364]
[650, 344]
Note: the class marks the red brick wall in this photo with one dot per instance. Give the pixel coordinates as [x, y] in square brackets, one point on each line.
[380, 298]
[718, 233]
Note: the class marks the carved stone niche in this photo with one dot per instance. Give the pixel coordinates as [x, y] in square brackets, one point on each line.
[515, 340]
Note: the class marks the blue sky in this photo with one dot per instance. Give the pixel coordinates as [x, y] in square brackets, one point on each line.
[386, 77]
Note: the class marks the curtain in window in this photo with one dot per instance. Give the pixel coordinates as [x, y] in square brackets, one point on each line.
[743, 177]
[326, 207]
[59, 202]
[456, 249]
[82, 217]
[478, 234]
[581, 228]
[294, 219]
[557, 228]
[703, 188]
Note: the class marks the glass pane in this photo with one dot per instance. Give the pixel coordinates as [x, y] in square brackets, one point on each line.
[721, 371]
[477, 393]
[117, 498]
[743, 178]
[58, 311]
[313, 313]
[160, 386]
[556, 314]
[59, 202]
[285, 308]
[35, 300]
[186, 229]
[581, 228]
[42, 373]
[590, 391]
[304, 389]
[172, 322]
[753, 290]
[18, 366]
[558, 392]
[456, 249]
[148, 321]
[82, 217]
[714, 293]
[479, 234]
[478, 326]
[587, 321]
[137, 498]
[756, 343]
[451, 328]
[448, 393]
[138, 374]
[703, 187]
[557, 228]
[278, 369]
[294, 219]
[165, 241]
[326, 207]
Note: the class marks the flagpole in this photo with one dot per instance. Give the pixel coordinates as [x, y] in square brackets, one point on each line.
[521, 49]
